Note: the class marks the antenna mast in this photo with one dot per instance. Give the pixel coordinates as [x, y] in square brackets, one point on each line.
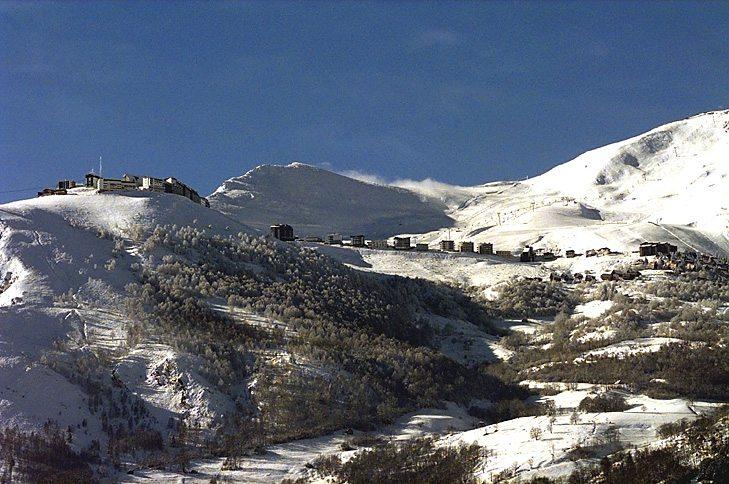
[99, 165]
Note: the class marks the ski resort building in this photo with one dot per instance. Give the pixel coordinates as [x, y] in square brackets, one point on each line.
[173, 185]
[402, 243]
[486, 248]
[604, 251]
[333, 239]
[153, 184]
[527, 255]
[91, 179]
[134, 182]
[656, 248]
[63, 187]
[52, 191]
[378, 244]
[132, 178]
[447, 245]
[422, 247]
[358, 240]
[110, 184]
[283, 232]
[466, 247]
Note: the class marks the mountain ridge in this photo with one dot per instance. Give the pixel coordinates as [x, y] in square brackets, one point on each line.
[317, 201]
[616, 195]
[669, 177]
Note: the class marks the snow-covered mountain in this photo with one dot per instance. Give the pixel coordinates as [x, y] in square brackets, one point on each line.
[667, 184]
[316, 201]
[82, 244]
[51, 244]
[676, 173]
[126, 316]
[118, 331]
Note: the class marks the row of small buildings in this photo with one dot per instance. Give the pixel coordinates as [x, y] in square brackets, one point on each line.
[130, 182]
[285, 232]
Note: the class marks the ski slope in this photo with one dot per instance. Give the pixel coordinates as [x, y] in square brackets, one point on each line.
[668, 184]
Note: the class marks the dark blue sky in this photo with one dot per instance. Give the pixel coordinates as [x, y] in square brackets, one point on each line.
[462, 92]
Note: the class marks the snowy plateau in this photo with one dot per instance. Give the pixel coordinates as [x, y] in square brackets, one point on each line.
[163, 341]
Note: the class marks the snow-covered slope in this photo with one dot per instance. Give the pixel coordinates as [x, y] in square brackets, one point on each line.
[52, 245]
[81, 347]
[676, 173]
[65, 262]
[55, 243]
[316, 201]
[667, 184]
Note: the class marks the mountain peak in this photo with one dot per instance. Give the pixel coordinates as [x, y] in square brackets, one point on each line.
[317, 201]
[278, 168]
[298, 164]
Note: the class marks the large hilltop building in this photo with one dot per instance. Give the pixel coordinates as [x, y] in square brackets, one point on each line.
[134, 182]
